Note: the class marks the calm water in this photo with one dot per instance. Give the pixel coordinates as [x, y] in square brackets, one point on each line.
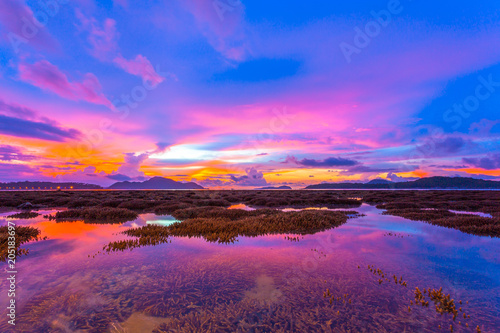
[267, 282]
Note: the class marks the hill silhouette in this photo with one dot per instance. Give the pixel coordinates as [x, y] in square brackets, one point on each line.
[155, 183]
[423, 183]
[284, 187]
[29, 185]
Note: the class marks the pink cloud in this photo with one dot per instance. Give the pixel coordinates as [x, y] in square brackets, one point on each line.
[139, 66]
[46, 76]
[102, 39]
[23, 27]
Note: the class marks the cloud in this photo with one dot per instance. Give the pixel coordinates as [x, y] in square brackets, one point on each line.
[103, 40]
[23, 27]
[10, 153]
[20, 121]
[367, 169]
[141, 67]
[12, 172]
[20, 111]
[16, 110]
[88, 174]
[127, 171]
[395, 178]
[161, 147]
[253, 177]
[46, 76]
[221, 23]
[449, 146]
[211, 182]
[489, 163]
[327, 162]
[130, 167]
[33, 129]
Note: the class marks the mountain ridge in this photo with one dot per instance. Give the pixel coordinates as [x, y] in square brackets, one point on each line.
[41, 185]
[283, 187]
[155, 183]
[437, 182]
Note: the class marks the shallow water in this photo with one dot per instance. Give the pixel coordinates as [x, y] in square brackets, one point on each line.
[471, 213]
[266, 281]
[465, 212]
[286, 209]
[145, 219]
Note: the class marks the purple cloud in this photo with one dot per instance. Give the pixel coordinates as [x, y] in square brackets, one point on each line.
[37, 130]
[252, 178]
[16, 110]
[488, 163]
[23, 27]
[140, 66]
[327, 162]
[10, 153]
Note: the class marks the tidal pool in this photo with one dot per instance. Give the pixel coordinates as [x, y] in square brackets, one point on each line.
[266, 283]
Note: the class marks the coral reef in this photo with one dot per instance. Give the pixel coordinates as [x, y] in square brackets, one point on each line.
[95, 215]
[23, 215]
[22, 235]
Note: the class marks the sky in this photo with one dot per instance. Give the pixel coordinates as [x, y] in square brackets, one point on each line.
[242, 94]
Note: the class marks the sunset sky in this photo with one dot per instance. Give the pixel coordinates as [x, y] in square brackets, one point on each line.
[232, 93]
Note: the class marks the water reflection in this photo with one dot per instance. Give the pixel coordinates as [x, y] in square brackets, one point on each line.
[248, 208]
[265, 280]
[241, 206]
[145, 219]
[464, 212]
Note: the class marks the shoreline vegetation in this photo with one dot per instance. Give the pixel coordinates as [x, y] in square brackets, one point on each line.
[22, 235]
[96, 215]
[23, 215]
[225, 225]
[162, 183]
[205, 214]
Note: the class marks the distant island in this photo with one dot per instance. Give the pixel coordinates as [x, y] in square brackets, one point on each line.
[161, 183]
[423, 183]
[155, 183]
[284, 187]
[27, 185]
